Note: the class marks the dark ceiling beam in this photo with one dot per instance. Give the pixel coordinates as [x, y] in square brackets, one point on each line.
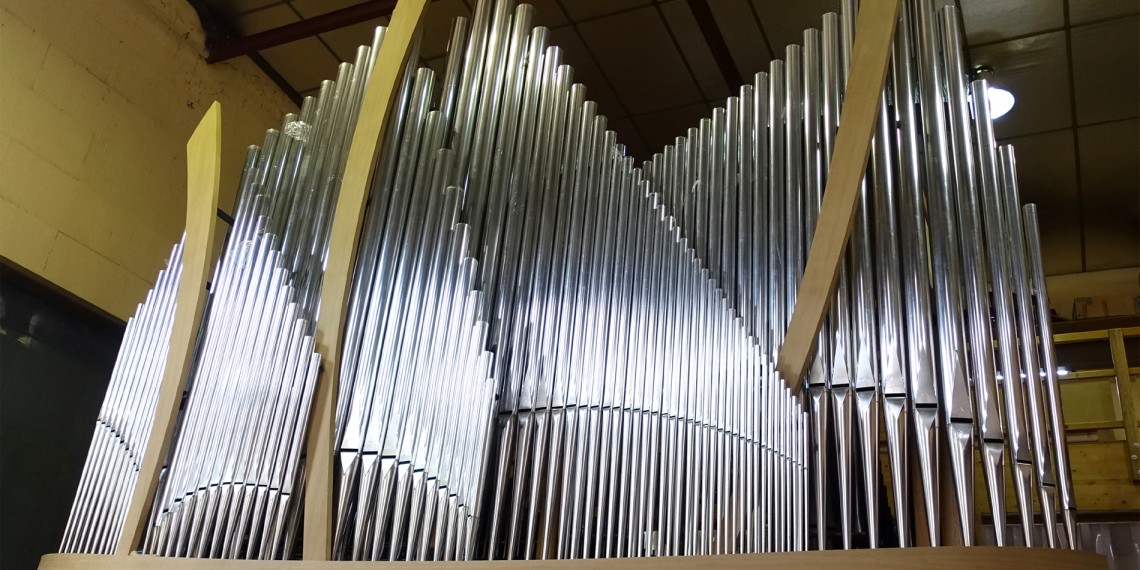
[706, 22]
[300, 30]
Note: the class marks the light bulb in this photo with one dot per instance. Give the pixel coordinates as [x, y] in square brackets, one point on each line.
[1001, 101]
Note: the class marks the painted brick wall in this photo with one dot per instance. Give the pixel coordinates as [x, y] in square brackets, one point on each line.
[97, 99]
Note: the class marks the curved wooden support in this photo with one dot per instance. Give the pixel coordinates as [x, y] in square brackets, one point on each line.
[203, 180]
[375, 118]
[944, 558]
[870, 56]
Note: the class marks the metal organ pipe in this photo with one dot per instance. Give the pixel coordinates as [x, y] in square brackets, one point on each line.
[553, 351]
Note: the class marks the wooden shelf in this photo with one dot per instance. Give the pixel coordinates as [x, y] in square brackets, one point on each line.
[948, 558]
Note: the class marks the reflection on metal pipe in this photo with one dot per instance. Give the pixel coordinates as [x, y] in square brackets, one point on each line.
[553, 351]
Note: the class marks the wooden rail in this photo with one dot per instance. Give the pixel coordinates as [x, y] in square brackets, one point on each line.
[944, 558]
[870, 55]
[203, 180]
[1086, 336]
[375, 118]
[1127, 400]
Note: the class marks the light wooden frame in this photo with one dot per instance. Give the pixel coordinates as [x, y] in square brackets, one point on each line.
[945, 558]
[203, 181]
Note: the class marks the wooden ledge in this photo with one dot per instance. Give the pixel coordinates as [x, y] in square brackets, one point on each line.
[950, 557]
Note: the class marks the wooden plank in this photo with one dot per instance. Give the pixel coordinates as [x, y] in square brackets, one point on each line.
[1082, 336]
[1094, 426]
[875, 29]
[1127, 401]
[1096, 374]
[945, 558]
[1125, 322]
[203, 180]
[375, 118]
[1086, 336]
[1101, 479]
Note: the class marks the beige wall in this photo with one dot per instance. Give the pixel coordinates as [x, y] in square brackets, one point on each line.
[97, 99]
[1113, 282]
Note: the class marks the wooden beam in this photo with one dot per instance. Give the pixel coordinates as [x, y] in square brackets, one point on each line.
[946, 558]
[875, 29]
[710, 31]
[1127, 401]
[1095, 374]
[371, 128]
[1087, 336]
[203, 180]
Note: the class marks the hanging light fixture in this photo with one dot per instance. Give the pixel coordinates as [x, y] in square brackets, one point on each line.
[1001, 100]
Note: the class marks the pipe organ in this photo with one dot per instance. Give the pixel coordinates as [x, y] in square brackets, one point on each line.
[553, 350]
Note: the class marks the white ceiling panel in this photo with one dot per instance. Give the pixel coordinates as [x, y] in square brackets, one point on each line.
[784, 22]
[1085, 11]
[548, 13]
[1106, 69]
[741, 32]
[1035, 70]
[627, 134]
[243, 6]
[623, 57]
[1112, 235]
[266, 19]
[1110, 162]
[303, 63]
[695, 50]
[344, 41]
[586, 72]
[663, 127]
[313, 8]
[579, 10]
[989, 20]
[437, 26]
[1046, 168]
[1060, 239]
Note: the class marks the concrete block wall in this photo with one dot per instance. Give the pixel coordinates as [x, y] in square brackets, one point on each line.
[97, 100]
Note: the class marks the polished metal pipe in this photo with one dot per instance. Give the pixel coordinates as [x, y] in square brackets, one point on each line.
[891, 339]
[837, 46]
[955, 405]
[1027, 329]
[1049, 363]
[1000, 273]
[793, 190]
[777, 241]
[555, 352]
[924, 402]
[974, 271]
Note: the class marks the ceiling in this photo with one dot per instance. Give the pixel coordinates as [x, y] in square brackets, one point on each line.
[656, 68]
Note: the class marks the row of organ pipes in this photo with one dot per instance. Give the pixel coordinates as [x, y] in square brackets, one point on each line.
[555, 352]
